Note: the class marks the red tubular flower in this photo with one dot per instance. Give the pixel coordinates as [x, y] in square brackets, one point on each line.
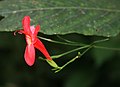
[32, 41]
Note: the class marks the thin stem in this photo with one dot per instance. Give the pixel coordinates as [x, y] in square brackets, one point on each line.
[86, 50]
[54, 41]
[81, 44]
[98, 41]
[105, 48]
[70, 61]
[63, 54]
[68, 52]
[57, 69]
[68, 41]
[73, 59]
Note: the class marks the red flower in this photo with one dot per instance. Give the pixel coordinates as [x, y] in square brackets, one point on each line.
[32, 41]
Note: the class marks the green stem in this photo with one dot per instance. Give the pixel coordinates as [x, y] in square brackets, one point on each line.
[68, 41]
[105, 48]
[73, 59]
[63, 54]
[70, 61]
[68, 52]
[81, 44]
[71, 44]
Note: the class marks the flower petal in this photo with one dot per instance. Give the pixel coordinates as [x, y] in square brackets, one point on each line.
[32, 29]
[37, 28]
[40, 46]
[35, 32]
[29, 54]
[26, 24]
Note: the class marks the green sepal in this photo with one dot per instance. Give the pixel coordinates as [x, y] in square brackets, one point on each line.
[52, 63]
[56, 68]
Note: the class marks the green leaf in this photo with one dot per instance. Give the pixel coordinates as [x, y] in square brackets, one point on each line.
[88, 17]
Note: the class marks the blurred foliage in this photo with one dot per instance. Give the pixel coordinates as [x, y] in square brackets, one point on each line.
[99, 67]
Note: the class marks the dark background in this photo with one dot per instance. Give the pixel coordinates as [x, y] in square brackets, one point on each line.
[97, 68]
